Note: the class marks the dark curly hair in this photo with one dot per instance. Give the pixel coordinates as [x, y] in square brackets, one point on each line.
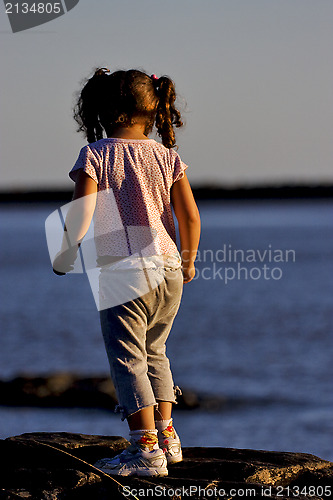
[108, 101]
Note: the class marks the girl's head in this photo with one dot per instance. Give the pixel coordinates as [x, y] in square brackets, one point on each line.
[120, 99]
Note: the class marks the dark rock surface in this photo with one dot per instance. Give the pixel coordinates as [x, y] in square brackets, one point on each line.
[32, 469]
[70, 390]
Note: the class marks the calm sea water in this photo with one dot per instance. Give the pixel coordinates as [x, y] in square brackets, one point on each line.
[255, 326]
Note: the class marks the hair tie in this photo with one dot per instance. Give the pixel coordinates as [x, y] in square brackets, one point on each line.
[102, 71]
[154, 77]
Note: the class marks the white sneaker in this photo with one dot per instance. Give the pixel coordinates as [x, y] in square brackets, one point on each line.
[124, 456]
[135, 462]
[169, 442]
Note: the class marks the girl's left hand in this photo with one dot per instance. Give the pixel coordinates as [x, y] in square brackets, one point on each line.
[188, 272]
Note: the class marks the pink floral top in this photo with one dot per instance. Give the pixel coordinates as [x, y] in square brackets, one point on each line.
[133, 213]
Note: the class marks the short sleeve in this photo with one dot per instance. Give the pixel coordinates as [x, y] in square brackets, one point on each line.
[88, 162]
[178, 165]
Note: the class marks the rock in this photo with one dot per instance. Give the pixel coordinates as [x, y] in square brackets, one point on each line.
[70, 390]
[33, 469]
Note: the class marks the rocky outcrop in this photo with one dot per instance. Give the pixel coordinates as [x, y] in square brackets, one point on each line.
[47, 466]
[70, 390]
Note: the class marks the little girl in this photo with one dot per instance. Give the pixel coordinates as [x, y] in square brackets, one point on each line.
[145, 180]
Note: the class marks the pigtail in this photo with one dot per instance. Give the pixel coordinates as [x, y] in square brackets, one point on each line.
[167, 115]
[88, 108]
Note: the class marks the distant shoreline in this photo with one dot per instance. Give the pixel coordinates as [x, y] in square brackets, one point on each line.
[283, 192]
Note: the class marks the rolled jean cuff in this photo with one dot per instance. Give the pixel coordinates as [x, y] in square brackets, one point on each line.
[125, 413]
[178, 392]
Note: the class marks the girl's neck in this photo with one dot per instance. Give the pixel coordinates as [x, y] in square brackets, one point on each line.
[135, 131]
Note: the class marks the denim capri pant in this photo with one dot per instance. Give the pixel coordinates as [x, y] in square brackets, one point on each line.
[135, 335]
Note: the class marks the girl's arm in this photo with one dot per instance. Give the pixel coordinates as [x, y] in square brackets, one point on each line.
[77, 222]
[188, 218]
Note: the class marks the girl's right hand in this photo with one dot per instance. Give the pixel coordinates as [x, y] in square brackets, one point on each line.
[64, 261]
[188, 272]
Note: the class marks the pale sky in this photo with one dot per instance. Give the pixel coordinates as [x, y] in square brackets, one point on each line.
[256, 76]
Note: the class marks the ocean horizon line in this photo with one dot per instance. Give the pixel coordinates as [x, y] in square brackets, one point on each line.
[201, 192]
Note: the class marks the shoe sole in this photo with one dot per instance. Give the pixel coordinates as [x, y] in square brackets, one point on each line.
[143, 472]
[174, 460]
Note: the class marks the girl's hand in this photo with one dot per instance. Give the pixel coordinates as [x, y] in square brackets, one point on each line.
[64, 261]
[188, 272]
